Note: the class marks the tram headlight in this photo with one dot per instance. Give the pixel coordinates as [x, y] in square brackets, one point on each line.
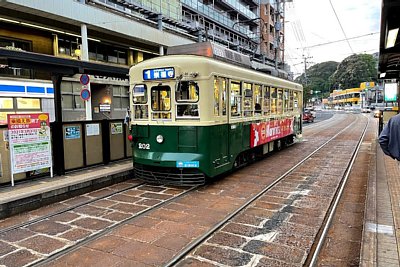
[160, 138]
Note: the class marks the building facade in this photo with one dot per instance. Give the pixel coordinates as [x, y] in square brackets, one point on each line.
[121, 33]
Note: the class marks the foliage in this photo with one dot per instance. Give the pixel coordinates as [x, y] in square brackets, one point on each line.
[354, 70]
[318, 79]
[328, 76]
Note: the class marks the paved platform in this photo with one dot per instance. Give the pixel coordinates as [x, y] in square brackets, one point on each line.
[381, 235]
[35, 193]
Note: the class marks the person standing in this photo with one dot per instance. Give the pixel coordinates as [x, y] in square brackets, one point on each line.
[389, 139]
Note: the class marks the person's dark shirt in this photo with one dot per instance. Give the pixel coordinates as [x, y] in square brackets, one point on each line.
[389, 139]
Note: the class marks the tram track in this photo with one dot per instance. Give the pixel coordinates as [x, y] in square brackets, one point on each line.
[103, 232]
[63, 210]
[177, 260]
[198, 209]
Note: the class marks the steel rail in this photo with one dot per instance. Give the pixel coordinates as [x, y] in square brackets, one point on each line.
[336, 200]
[106, 230]
[38, 219]
[219, 225]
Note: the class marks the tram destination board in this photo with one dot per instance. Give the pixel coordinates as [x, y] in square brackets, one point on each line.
[159, 73]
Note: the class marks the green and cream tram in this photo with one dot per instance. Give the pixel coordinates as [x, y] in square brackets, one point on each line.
[195, 116]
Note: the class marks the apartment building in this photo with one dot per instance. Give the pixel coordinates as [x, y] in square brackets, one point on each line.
[122, 33]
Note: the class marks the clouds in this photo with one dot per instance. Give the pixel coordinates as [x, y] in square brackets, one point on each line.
[313, 30]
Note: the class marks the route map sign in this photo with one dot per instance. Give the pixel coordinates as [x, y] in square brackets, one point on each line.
[30, 142]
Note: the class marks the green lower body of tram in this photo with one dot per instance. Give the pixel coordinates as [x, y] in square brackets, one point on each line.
[189, 154]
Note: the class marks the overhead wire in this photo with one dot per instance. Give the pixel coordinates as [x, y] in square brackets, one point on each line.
[340, 24]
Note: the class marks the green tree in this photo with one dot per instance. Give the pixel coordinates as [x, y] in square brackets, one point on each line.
[354, 70]
[317, 79]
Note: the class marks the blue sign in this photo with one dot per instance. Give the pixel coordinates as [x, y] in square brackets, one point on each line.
[157, 74]
[84, 79]
[187, 164]
[85, 94]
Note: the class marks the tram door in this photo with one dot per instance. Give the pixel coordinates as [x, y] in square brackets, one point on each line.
[221, 151]
[234, 110]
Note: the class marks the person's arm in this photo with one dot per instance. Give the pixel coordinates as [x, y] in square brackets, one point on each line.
[384, 139]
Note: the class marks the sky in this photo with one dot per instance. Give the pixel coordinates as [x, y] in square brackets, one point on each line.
[310, 24]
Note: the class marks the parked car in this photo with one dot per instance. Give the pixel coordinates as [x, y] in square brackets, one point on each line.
[308, 116]
[366, 110]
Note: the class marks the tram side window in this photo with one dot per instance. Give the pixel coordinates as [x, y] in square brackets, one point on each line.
[187, 94]
[161, 102]
[285, 100]
[217, 85]
[296, 101]
[290, 100]
[257, 99]
[248, 100]
[236, 99]
[139, 98]
[224, 88]
[274, 100]
[280, 101]
[267, 98]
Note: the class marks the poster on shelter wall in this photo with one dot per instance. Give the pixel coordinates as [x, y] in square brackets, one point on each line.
[29, 142]
[116, 128]
[72, 132]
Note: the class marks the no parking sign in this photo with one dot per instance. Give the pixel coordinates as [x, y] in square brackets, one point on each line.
[84, 79]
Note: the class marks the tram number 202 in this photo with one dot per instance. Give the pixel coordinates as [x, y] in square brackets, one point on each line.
[143, 146]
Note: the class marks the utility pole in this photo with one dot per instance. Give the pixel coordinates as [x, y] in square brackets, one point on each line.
[305, 68]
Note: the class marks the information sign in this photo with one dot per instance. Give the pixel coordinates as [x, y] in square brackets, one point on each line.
[84, 79]
[85, 94]
[157, 74]
[29, 142]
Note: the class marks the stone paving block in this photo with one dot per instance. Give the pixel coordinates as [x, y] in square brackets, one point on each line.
[65, 217]
[145, 221]
[240, 229]
[18, 258]
[229, 240]
[92, 223]
[91, 210]
[172, 242]
[264, 262]
[42, 244]
[155, 196]
[276, 251]
[48, 227]
[144, 253]
[76, 234]
[6, 248]
[224, 256]
[194, 263]
[107, 243]
[116, 216]
[16, 235]
[124, 198]
[129, 208]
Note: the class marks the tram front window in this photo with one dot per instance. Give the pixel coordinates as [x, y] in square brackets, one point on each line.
[139, 97]
[161, 102]
[187, 96]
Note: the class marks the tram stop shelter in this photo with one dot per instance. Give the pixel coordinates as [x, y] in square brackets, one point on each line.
[86, 151]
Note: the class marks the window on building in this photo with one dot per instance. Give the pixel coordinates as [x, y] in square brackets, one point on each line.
[71, 96]
[120, 97]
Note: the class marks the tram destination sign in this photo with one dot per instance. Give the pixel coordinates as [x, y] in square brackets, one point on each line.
[158, 74]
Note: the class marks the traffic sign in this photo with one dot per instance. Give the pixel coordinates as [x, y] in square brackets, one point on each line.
[84, 79]
[85, 94]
